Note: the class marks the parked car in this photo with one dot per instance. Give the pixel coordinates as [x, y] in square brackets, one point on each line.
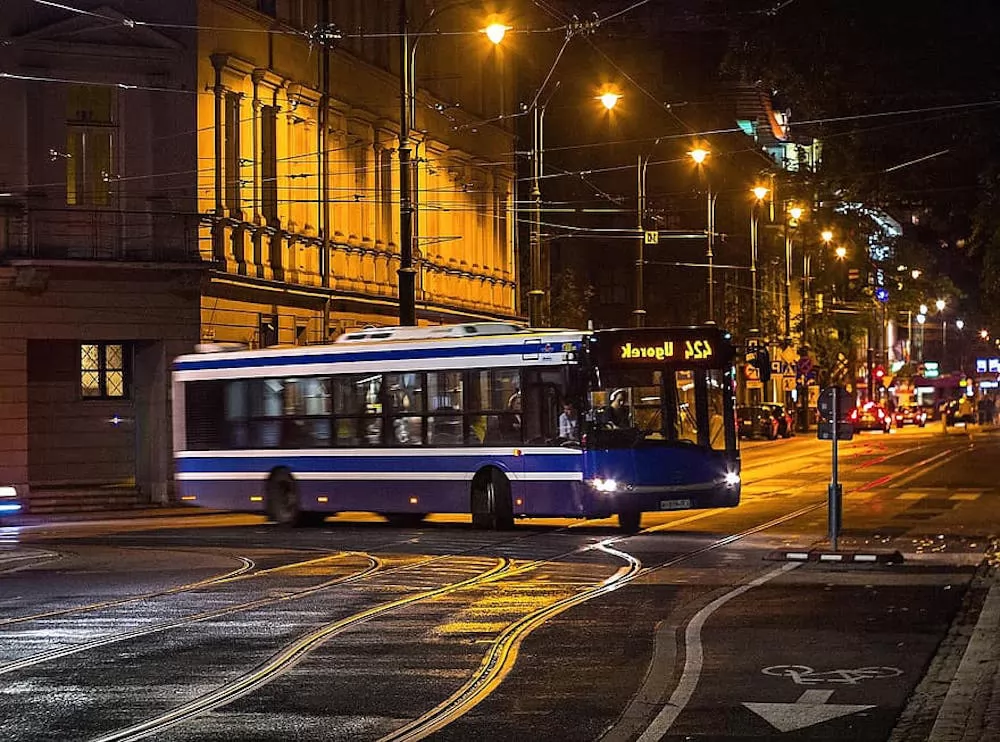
[786, 420]
[756, 421]
[910, 415]
[870, 416]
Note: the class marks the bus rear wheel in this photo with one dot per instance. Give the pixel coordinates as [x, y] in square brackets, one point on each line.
[491, 504]
[283, 501]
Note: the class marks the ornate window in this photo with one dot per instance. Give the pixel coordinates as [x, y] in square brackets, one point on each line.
[104, 371]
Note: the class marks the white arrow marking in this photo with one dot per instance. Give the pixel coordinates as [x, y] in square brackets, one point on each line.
[811, 708]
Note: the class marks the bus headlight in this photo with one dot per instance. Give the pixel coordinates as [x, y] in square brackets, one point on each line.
[604, 485]
[732, 479]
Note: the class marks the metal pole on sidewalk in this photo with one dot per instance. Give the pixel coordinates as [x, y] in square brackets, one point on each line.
[834, 494]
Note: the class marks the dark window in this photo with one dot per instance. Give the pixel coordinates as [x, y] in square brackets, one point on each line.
[268, 330]
[269, 164]
[206, 416]
[104, 371]
[90, 143]
[444, 403]
[233, 172]
[269, 7]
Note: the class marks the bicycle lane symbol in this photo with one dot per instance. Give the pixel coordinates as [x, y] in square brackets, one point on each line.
[812, 706]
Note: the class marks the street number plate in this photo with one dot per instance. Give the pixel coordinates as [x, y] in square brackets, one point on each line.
[675, 504]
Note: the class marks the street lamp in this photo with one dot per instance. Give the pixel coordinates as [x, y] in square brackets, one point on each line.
[407, 81]
[841, 252]
[609, 99]
[759, 193]
[699, 155]
[923, 309]
[495, 32]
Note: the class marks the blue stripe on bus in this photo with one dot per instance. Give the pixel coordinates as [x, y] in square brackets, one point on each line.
[222, 360]
[375, 464]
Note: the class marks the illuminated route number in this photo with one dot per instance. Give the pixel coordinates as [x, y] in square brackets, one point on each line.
[697, 350]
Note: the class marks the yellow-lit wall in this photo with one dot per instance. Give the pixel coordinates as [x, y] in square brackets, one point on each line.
[465, 177]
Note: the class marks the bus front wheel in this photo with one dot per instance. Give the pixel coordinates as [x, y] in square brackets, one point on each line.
[491, 504]
[629, 521]
[405, 520]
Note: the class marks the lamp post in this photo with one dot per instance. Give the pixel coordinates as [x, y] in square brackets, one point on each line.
[407, 82]
[699, 155]
[921, 319]
[940, 304]
[760, 193]
[793, 215]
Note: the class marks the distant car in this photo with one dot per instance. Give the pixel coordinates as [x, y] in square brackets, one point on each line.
[910, 415]
[754, 421]
[9, 503]
[786, 421]
[870, 416]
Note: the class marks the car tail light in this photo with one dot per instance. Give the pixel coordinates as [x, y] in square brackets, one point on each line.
[854, 414]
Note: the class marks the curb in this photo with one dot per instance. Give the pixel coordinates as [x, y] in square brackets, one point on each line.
[836, 557]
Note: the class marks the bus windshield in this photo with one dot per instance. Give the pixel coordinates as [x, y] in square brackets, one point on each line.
[644, 406]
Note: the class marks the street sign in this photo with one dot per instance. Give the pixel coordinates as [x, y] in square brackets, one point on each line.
[652, 237]
[825, 404]
[788, 383]
[804, 366]
[824, 431]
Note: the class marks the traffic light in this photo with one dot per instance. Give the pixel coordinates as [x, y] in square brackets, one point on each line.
[760, 359]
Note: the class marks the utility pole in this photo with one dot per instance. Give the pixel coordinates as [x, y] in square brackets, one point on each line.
[639, 313]
[407, 283]
[536, 294]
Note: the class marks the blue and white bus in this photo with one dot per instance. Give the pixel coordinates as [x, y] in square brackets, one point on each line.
[486, 418]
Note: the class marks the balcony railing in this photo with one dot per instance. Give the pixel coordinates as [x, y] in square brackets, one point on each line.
[97, 234]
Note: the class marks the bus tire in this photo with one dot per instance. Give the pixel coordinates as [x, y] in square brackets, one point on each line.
[405, 520]
[492, 509]
[283, 500]
[630, 521]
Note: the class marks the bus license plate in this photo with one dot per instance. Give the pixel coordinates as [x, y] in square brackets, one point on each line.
[675, 504]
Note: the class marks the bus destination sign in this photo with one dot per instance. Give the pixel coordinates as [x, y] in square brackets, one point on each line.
[681, 347]
[667, 350]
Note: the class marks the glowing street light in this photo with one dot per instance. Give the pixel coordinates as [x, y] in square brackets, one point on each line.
[923, 310]
[826, 235]
[759, 192]
[940, 304]
[841, 252]
[915, 273]
[960, 324]
[609, 99]
[495, 32]
[984, 334]
[698, 155]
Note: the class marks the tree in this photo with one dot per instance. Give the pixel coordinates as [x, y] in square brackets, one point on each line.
[570, 302]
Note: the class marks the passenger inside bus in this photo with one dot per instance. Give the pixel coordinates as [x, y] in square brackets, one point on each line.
[569, 423]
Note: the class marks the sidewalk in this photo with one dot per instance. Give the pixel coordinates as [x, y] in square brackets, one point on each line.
[958, 699]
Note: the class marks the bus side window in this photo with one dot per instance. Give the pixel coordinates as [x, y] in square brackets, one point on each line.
[544, 394]
[237, 414]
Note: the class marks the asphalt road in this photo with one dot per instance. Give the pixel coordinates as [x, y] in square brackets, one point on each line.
[224, 627]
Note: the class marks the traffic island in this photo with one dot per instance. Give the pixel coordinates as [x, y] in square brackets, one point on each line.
[836, 557]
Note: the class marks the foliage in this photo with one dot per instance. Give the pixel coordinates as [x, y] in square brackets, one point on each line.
[570, 302]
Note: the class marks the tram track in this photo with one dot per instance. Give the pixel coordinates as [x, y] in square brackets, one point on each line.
[499, 659]
[497, 662]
